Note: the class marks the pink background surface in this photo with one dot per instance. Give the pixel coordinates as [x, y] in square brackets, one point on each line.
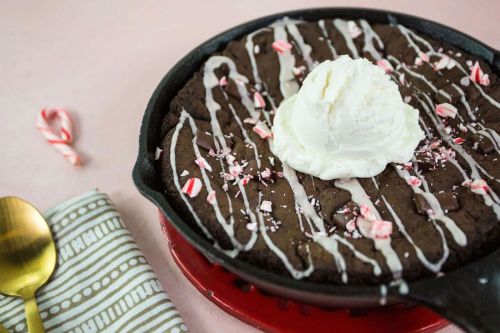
[102, 60]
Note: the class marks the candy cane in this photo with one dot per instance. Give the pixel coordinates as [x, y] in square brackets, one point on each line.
[63, 142]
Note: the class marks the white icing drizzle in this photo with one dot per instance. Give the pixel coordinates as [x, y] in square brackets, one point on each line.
[370, 36]
[481, 91]
[494, 134]
[173, 144]
[464, 101]
[420, 77]
[329, 243]
[245, 134]
[249, 45]
[304, 48]
[341, 26]
[484, 132]
[410, 34]
[299, 216]
[433, 267]
[473, 164]
[321, 24]
[438, 213]
[360, 197]
[301, 199]
[288, 85]
[428, 133]
[228, 227]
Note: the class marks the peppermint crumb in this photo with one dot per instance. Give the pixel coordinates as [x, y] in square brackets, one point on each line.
[407, 254]
[483, 280]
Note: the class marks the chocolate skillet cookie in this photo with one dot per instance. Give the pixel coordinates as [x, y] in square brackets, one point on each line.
[440, 210]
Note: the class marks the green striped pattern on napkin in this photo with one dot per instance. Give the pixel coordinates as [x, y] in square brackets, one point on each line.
[102, 282]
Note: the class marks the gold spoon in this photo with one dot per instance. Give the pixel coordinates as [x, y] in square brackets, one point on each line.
[27, 255]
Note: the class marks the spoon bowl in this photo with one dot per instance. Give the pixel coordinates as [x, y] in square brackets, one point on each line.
[27, 255]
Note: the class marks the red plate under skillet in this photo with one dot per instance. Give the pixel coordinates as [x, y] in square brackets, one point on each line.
[275, 314]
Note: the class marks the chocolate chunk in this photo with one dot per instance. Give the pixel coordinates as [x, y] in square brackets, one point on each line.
[447, 200]
[205, 141]
[485, 144]
[344, 214]
[422, 205]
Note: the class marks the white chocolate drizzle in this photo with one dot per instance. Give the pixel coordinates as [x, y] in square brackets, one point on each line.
[321, 24]
[316, 229]
[341, 26]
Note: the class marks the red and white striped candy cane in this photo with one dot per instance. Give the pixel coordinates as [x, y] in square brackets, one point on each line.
[63, 142]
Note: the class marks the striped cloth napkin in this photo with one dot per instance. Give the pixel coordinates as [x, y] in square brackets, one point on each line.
[102, 282]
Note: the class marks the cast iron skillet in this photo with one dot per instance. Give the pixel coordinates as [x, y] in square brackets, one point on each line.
[458, 296]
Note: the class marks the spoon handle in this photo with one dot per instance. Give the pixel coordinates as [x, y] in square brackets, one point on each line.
[35, 324]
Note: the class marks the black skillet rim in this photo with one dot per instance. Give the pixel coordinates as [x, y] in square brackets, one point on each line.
[145, 160]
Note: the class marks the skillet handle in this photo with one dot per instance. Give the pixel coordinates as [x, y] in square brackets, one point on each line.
[469, 297]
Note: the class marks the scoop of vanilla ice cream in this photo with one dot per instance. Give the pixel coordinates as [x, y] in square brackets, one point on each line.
[347, 120]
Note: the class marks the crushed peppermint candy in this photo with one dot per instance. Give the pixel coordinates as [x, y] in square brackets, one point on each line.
[158, 153]
[252, 226]
[414, 181]
[401, 79]
[477, 75]
[225, 187]
[446, 110]
[266, 173]
[465, 81]
[262, 130]
[479, 186]
[366, 212]
[192, 187]
[280, 174]
[258, 100]
[458, 140]
[266, 206]
[462, 128]
[424, 56]
[353, 29]
[381, 229]
[223, 81]
[184, 173]
[408, 166]
[227, 176]
[230, 159]
[203, 164]
[211, 198]
[407, 99]
[235, 170]
[351, 225]
[385, 65]
[245, 180]
[281, 46]
[444, 62]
